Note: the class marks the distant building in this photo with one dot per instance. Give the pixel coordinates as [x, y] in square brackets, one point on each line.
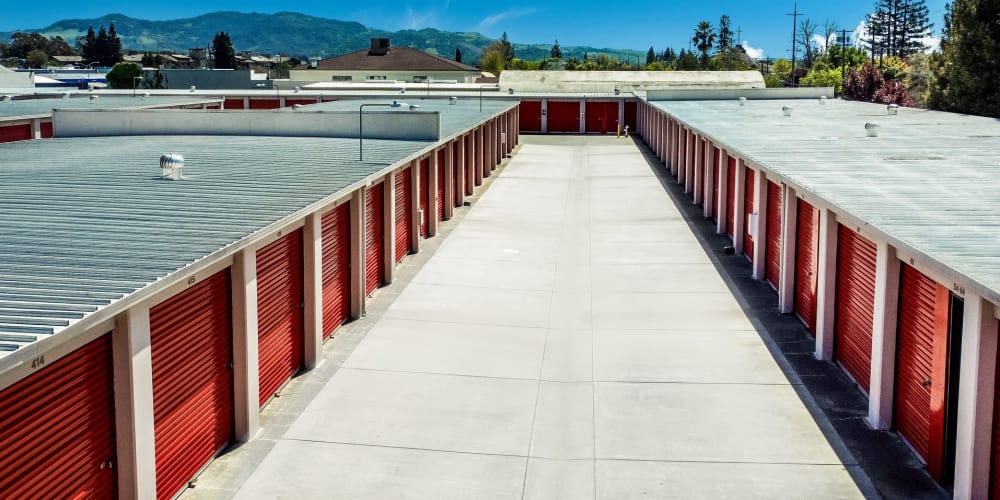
[382, 62]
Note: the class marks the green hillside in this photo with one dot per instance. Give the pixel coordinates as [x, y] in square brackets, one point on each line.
[292, 34]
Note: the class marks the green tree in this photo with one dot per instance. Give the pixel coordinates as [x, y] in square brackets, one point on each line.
[22, 43]
[37, 58]
[650, 56]
[105, 48]
[123, 74]
[87, 45]
[806, 40]
[686, 61]
[965, 72]
[222, 48]
[823, 78]
[492, 58]
[556, 51]
[704, 40]
[508, 50]
[154, 80]
[896, 27]
[458, 54]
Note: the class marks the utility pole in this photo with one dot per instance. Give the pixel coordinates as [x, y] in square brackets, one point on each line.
[729, 58]
[795, 22]
[843, 52]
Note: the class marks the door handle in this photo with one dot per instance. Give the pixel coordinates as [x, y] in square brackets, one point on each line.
[926, 383]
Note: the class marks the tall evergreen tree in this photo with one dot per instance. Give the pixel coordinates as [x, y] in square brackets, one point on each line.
[724, 42]
[704, 40]
[508, 50]
[965, 72]
[650, 55]
[896, 28]
[458, 54]
[113, 49]
[87, 45]
[556, 51]
[225, 55]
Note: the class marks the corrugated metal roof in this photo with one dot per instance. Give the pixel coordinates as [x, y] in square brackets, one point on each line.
[928, 182]
[87, 221]
[33, 107]
[454, 117]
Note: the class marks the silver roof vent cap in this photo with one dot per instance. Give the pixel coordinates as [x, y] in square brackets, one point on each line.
[171, 166]
[872, 128]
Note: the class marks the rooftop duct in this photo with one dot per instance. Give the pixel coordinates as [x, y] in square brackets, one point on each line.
[380, 47]
[171, 166]
[872, 129]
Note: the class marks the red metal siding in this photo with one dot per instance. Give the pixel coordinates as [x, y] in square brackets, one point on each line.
[855, 304]
[425, 196]
[806, 264]
[402, 205]
[995, 462]
[279, 312]
[715, 190]
[374, 237]
[459, 179]
[336, 228]
[235, 103]
[12, 133]
[563, 116]
[191, 346]
[46, 129]
[772, 259]
[749, 207]
[602, 117]
[731, 199]
[57, 429]
[921, 365]
[263, 103]
[530, 117]
[631, 114]
[441, 182]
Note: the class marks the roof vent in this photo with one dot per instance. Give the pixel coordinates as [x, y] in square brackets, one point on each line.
[380, 47]
[743, 101]
[822, 100]
[872, 129]
[93, 98]
[453, 100]
[65, 95]
[297, 89]
[8, 98]
[296, 107]
[617, 91]
[511, 91]
[145, 95]
[787, 110]
[193, 88]
[892, 109]
[171, 166]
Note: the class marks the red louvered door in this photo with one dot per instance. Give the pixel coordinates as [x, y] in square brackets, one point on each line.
[749, 207]
[58, 429]
[425, 196]
[772, 258]
[441, 183]
[921, 366]
[855, 304]
[191, 344]
[374, 237]
[279, 312]
[336, 267]
[402, 205]
[806, 264]
[731, 198]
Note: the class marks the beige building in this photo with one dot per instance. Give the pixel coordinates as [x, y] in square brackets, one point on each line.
[383, 63]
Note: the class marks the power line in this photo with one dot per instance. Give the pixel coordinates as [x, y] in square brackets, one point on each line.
[795, 22]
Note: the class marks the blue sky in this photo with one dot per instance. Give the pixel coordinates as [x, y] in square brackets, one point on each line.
[636, 24]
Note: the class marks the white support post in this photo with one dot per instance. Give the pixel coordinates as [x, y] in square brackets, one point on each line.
[449, 180]
[826, 284]
[708, 180]
[883, 369]
[739, 206]
[414, 208]
[545, 117]
[976, 393]
[470, 163]
[432, 195]
[478, 155]
[723, 201]
[389, 227]
[583, 116]
[760, 232]
[358, 294]
[685, 156]
[246, 371]
[691, 178]
[789, 228]
[312, 270]
[133, 381]
[460, 171]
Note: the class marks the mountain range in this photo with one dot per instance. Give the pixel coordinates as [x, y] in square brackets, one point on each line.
[294, 34]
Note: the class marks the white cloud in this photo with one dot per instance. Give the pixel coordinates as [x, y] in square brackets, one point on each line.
[931, 43]
[860, 33]
[754, 53]
[490, 20]
[418, 20]
[820, 42]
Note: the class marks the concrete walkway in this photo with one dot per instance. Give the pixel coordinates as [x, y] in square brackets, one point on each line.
[570, 338]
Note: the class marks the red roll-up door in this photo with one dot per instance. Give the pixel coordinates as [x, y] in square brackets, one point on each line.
[563, 116]
[855, 304]
[13, 133]
[279, 312]
[46, 129]
[631, 114]
[470, 164]
[602, 117]
[749, 207]
[374, 237]
[191, 345]
[57, 428]
[425, 196]
[441, 184]
[772, 259]
[715, 185]
[263, 103]
[236, 103]
[806, 264]
[731, 199]
[403, 226]
[530, 116]
[921, 366]
[336, 226]
[458, 179]
[995, 462]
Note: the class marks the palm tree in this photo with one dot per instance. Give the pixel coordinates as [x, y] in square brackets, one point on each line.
[704, 40]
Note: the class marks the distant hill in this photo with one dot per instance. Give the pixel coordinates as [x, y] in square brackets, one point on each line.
[293, 34]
